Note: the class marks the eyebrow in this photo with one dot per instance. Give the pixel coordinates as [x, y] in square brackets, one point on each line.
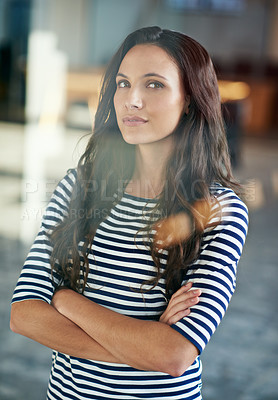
[145, 75]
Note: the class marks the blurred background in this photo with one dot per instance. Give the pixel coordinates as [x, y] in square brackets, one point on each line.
[52, 57]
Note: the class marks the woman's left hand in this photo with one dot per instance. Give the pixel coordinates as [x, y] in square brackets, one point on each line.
[179, 304]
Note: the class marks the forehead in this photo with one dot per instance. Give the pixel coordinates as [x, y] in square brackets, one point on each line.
[146, 58]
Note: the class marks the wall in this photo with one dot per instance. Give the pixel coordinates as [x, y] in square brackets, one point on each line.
[225, 37]
[91, 30]
[109, 22]
[68, 20]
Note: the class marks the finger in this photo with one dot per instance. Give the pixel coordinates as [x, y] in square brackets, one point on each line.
[183, 297]
[182, 305]
[177, 317]
[182, 289]
[177, 308]
[188, 295]
[182, 300]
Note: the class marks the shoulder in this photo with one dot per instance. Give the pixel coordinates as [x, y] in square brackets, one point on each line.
[67, 183]
[228, 207]
[65, 187]
[227, 198]
[58, 206]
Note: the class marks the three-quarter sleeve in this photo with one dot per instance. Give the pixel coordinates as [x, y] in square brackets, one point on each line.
[36, 280]
[214, 272]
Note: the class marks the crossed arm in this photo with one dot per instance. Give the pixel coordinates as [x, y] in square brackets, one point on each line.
[79, 327]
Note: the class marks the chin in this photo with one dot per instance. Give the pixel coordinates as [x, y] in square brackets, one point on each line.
[138, 141]
[132, 139]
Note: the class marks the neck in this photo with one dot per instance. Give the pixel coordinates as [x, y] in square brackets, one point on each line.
[149, 174]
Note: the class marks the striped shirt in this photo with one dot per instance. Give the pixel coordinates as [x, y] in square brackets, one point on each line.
[119, 264]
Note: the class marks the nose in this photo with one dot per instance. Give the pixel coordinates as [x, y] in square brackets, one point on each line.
[134, 99]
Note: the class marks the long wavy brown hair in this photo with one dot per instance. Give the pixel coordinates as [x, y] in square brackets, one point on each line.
[200, 157]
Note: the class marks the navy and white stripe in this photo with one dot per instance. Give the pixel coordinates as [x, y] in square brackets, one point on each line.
[119, 264]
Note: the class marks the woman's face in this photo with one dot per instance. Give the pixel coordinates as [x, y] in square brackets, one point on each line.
[149, 100]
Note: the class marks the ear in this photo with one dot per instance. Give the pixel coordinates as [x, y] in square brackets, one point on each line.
[187, 104]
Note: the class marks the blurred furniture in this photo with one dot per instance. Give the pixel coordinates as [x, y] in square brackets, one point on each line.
[261, 107]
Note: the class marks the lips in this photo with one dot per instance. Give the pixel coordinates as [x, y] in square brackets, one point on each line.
[134, 121]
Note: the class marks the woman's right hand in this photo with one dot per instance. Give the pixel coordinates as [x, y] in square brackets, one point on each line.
[179, 304]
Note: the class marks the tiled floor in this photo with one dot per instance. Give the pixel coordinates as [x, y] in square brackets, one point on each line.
[241, 360]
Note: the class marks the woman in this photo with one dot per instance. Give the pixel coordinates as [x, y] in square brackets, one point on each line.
[143, 239]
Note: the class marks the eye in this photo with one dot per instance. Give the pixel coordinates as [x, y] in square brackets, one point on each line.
[155, 85]
[123, 84]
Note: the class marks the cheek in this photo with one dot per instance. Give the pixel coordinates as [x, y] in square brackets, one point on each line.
[169, 102]
[169, 110]
[177, 108]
